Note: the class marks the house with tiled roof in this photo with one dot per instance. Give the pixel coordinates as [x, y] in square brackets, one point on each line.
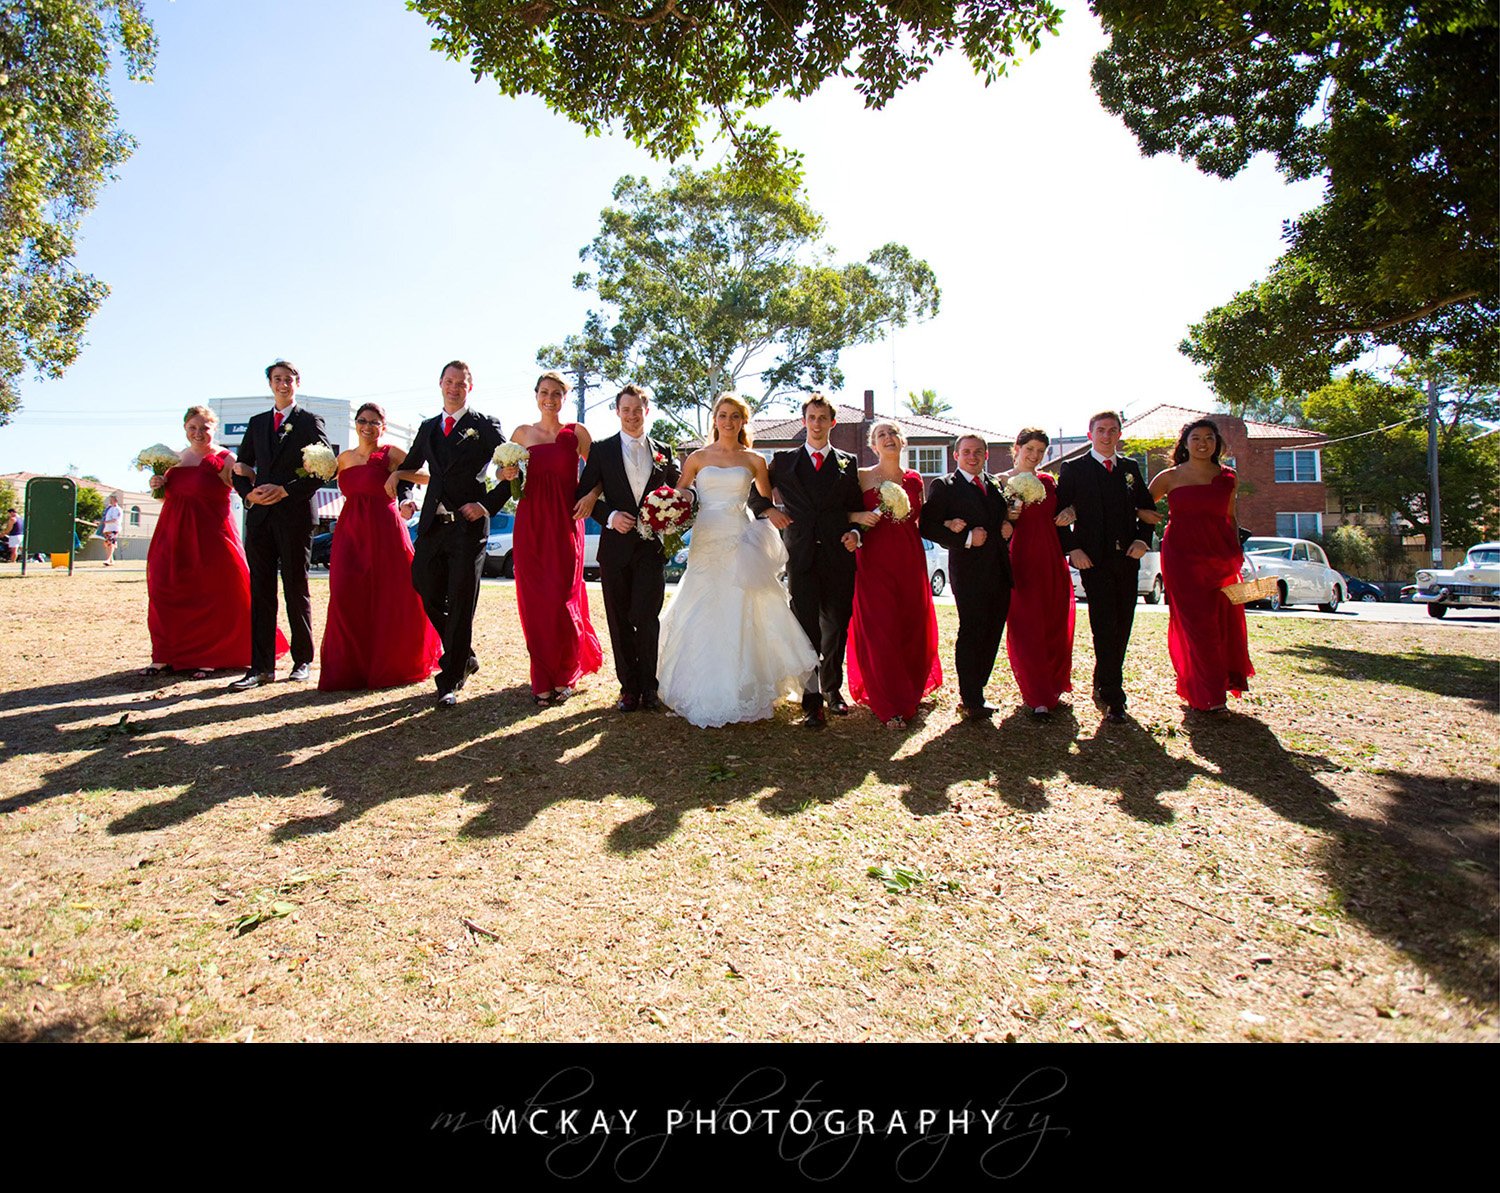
[929, 440]
[1280, 468]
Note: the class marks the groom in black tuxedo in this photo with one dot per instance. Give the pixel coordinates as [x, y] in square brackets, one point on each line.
[455, 448]
[628, 466]
[278, 524]
[965, 512]
[1115, 515]
[819, 488]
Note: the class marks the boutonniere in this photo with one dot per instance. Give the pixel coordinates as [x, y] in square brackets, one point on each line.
[659, 459]
[469, 433]
[843, 462]
[1130, 480]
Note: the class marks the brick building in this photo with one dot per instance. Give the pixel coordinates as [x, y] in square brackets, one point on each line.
[1281, 491]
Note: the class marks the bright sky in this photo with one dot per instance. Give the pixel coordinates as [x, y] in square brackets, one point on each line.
[313, 181]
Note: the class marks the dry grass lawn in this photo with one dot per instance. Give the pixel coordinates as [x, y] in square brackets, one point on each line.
[179, 862]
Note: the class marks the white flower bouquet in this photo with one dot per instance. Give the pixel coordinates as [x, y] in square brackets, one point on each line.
[1024, 489]
[894, 502]
[156, 459]
[318, 460]
[509, 455]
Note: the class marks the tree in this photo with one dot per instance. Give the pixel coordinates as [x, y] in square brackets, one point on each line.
[715, 279]
[58, 145]
[927, 403]
[1393, 103]
[657, 69]
[1389, 467]
[89, 509]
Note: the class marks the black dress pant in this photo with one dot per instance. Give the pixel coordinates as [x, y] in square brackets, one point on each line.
[823, 603]
[445, 571]
[279, 545]
[633, 595]
[1110, 586]
[981, 621]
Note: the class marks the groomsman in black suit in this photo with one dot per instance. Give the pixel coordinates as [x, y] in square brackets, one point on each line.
[1115, 515]
[965, 512]
[278, 524]
[455, 448]
[819, 488]
[628, 466]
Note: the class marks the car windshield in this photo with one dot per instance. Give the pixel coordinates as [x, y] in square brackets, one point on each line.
[1489, 555]
[1271, 550]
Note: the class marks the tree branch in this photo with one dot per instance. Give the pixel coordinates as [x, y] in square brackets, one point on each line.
[1398, 320]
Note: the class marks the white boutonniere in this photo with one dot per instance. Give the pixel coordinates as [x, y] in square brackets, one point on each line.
[843, 462]
[1130, 480]
[469, 433]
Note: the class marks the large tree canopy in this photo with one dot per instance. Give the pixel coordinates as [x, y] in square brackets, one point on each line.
[58, 146]
[714, 279]
[1393, 104]
[657, 69]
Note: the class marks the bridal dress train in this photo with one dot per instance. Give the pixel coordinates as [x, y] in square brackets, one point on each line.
[730, 646]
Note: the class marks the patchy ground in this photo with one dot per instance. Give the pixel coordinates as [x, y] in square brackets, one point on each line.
[180, 862]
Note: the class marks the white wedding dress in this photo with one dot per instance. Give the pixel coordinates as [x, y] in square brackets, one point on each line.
[730, 647]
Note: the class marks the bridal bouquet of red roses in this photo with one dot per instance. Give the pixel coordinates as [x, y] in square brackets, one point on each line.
[665, 515]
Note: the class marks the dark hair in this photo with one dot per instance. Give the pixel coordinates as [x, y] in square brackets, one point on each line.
[552, 375]
[456, 364]
[1026, 434]
[1114, 414]
[979, 439]
[370, 406]
[818, 399]
[630, 391]
[278, 363]
[1180, 452]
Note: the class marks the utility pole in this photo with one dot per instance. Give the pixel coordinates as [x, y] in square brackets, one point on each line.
[581, 388]
[1434, 499]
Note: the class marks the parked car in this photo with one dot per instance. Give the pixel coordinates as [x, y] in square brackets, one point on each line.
[937, 566]
[1300, 569]
[1361, 590]
[322, 549]
[1475, 583]
[677, 565]
[497, 552]
[1149, 585]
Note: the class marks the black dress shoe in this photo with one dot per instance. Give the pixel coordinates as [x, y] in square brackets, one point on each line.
[447, 699]
[301, 673]
[835, 704]
[814, 718]
[649, 702]
[1116, 714]
[978, 712]
[251, 679]
[1100, 702]
[628, 702]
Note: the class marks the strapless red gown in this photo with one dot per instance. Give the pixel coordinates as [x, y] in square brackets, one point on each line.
[1039, 627]
[548, 558]
[377, 635]
[1200, 554]
[196, 577]
[893, 642]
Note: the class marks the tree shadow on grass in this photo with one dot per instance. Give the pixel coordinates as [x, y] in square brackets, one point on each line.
[1463, 676]
[1423, 877]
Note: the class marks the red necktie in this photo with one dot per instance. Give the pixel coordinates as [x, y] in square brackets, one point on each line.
[276, 419]
[979, 480]
[817, 461]
[447, 425]
[1109, 464]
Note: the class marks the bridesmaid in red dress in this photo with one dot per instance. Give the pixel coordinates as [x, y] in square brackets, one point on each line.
[1200, 554]
[197, 580]
[377, 635]
[1039, 629]
[548, 550]
[893, 642]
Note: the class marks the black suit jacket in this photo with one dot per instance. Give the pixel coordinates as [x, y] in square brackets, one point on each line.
[606, 465]
[972, 569]
[819, 502]
[457, 465]
[1108, 506]
[275, 457]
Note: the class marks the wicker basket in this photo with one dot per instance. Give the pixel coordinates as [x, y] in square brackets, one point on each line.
[1251, 590]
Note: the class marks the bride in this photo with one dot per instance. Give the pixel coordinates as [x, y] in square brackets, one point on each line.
[730, 646]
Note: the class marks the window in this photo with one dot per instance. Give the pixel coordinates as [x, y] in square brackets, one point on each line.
[135, 515]
[1358, 507]
[1297, 466]
[1298, 526]
[927, 462]
[1228, 462]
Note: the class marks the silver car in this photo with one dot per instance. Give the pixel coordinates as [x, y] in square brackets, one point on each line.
[1300, 570]
[1148, 584]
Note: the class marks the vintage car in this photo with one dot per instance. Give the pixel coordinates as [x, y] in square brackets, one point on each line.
[1300, 570]
[1475, 583]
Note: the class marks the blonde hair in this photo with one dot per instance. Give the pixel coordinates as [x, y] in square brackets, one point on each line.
[202, 412]
[886, 422]
[739, 404]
